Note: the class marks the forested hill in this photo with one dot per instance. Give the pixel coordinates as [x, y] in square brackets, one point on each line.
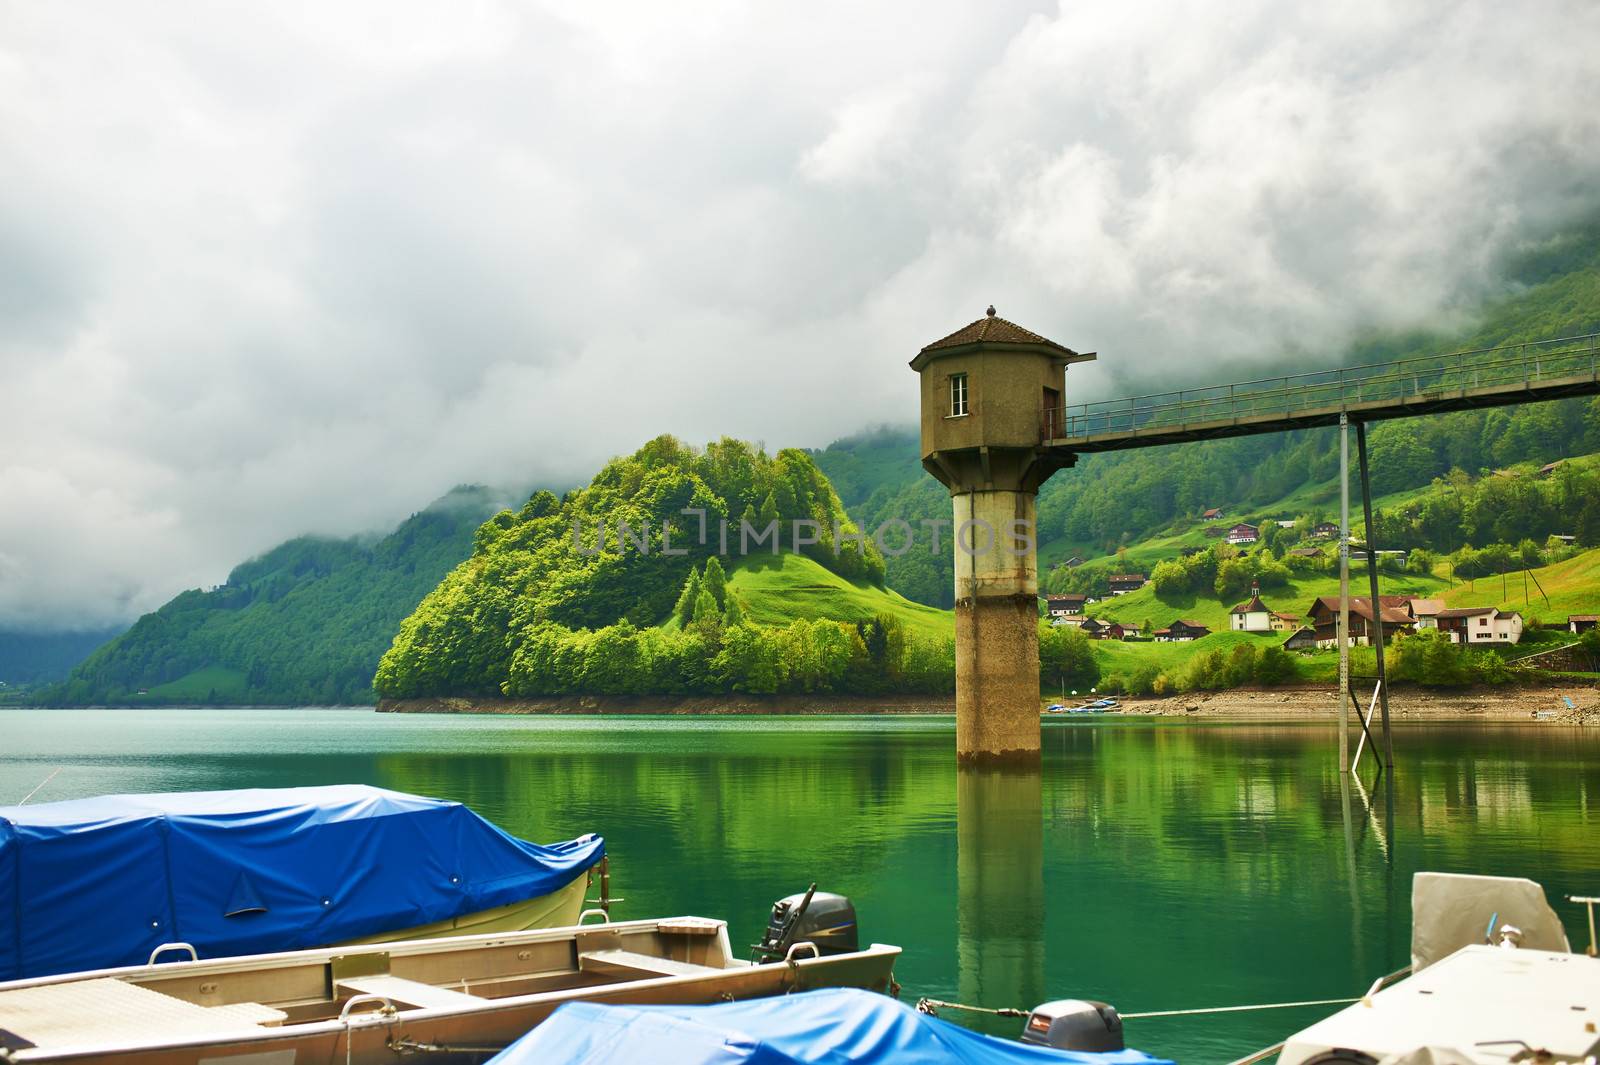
[541, 587]
[1120, 499]
[304, 623]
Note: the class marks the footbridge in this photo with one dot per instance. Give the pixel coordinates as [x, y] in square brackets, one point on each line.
[1462, 380]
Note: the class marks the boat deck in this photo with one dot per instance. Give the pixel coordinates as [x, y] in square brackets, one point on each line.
[1486, 1003]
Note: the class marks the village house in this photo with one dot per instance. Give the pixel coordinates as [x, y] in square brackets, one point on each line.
[1480, 624]
[1181, 631]
[1285, 622]
[1284, 523]
[1074, 562]
[1096, 629]
[1578, 624]
[1304, 639]
[1212, 515]
[1062, 607]
[1393, 611]
[1243, 534]
[1123, 583]
[1550, 467]
[1325, 530]
[1252, 615]
[1426, 612]
[1305, 552]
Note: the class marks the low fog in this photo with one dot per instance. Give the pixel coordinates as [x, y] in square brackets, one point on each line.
[274, 269]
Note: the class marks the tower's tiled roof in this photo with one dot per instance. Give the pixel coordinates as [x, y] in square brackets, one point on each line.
[993, 330]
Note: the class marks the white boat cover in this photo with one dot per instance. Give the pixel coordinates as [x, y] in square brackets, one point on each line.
[1453, 910]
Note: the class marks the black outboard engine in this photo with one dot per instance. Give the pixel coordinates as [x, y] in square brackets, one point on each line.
[819, 917]
[1074, 1024]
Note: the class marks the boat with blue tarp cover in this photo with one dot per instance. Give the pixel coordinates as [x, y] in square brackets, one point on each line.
[839, 1026]
[104, 882]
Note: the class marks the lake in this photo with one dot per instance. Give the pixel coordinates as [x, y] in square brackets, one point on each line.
[1154, 864]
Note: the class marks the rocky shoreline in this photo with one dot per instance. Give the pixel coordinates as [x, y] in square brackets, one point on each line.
[1543, 704]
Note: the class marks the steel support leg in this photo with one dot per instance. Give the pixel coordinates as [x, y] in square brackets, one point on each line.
[1377, 609]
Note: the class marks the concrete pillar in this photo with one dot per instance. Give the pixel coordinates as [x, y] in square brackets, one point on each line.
[1000, 897]
[997, 634]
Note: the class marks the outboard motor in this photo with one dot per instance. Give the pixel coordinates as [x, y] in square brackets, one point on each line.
[1074, 1024]
[819, 917]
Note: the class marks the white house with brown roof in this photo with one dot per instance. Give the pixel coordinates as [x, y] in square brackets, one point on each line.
[1252, 615]
[1243, 533]
[1480, 624]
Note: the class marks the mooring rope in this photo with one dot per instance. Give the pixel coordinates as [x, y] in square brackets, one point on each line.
[931, 1005]
[1239, 1009]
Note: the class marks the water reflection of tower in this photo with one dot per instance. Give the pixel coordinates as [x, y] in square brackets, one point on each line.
[1000, 890]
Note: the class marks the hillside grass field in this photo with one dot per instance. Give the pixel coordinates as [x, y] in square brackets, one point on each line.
[1573, 587]
[775, 590]
[207, 683]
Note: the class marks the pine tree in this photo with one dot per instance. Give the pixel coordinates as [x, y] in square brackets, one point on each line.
[715, 581]
[707, 618]
[734, 614]
[684, 610]
[768, 514]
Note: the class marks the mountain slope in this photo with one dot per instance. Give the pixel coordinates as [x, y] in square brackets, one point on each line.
[29, 658]
[304, 623]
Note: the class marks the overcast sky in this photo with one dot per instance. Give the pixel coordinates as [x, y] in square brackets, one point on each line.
[278, 268]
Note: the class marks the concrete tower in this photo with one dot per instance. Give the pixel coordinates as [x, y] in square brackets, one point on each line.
[991, 393]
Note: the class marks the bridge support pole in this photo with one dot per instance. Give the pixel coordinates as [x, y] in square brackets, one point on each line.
[1344, 594]
[1375, 632]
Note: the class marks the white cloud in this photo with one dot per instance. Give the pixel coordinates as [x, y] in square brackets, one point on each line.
[268, 270]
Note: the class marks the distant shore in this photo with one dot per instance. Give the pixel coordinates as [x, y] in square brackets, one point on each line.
[1245, 704]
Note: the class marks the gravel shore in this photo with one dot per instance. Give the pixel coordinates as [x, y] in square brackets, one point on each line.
[1245, 704]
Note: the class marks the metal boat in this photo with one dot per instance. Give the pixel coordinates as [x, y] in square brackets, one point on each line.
[452, 999]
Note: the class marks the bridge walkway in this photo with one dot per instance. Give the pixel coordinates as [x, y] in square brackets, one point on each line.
[1463, 380]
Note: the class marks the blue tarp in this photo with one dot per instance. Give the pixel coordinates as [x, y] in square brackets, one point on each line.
[94, 883]
[840, 1026]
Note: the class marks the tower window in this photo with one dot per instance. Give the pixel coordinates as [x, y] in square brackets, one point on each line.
[958, 395]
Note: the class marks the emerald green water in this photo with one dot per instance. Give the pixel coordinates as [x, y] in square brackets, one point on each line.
[1153, 864]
